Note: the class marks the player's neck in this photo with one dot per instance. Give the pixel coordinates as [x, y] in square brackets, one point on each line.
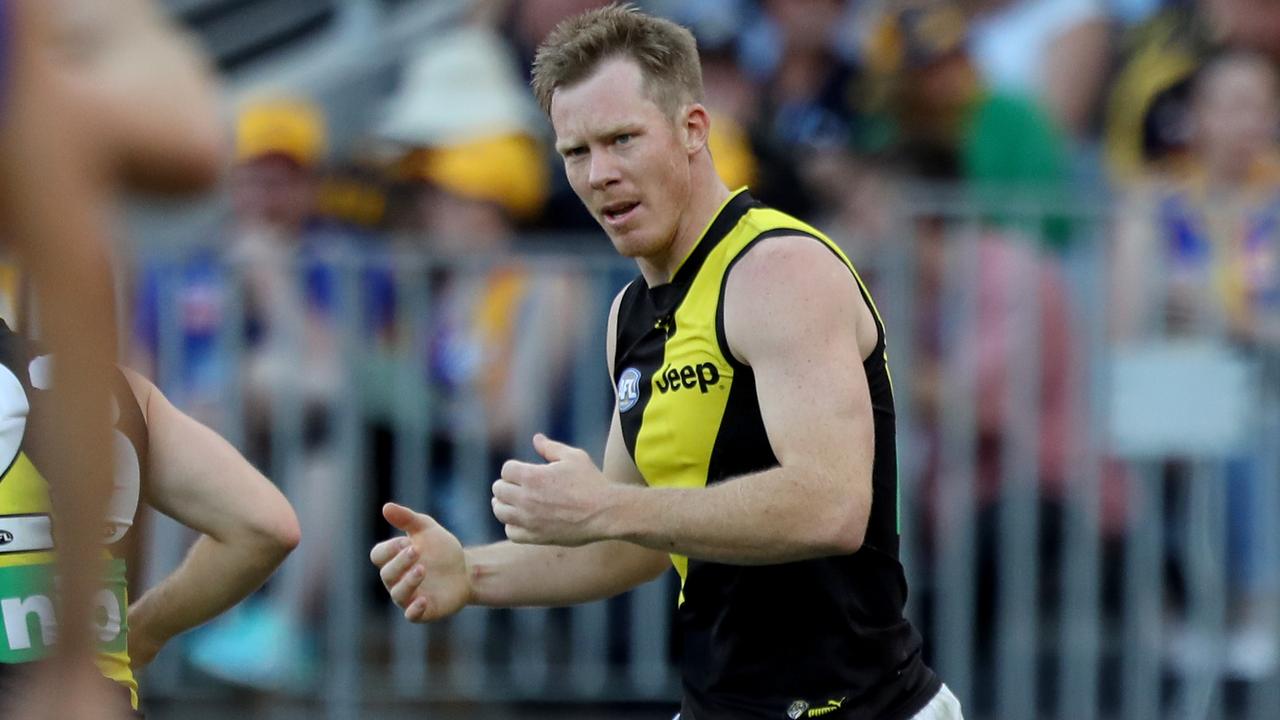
[707, 195]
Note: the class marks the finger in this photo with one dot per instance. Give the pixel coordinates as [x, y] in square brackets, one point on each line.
[551, 450]
[516, 472]
[402, 518]
[401, 564]
[402, 591]
[504, 513]
[509, 493]
[520, 535]
[382, 553]
[417, 611]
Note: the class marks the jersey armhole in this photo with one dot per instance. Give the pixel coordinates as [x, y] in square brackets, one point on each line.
[625, 306]
[722, 338]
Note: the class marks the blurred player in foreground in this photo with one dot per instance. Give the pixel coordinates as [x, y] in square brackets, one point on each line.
[753, 438]
[161, 457]
[94, 97]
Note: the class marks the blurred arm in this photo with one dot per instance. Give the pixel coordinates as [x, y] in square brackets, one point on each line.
[1076, 67]
[248, 527]
[53, 203]
[149, 90]
[1131, 290]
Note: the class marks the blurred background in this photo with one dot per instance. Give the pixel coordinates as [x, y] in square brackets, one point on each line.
[1068, 211]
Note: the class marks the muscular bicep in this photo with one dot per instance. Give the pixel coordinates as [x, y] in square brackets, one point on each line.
[794, 314]
[619, 466]
[197, 478]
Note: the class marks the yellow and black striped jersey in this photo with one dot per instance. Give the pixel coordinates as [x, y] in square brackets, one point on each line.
[27, 625]
[818, 637]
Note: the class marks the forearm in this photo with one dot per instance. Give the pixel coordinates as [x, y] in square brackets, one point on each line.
[82, 338]
[507, 574]
[774, 516]
[59, 241]
[213, 577]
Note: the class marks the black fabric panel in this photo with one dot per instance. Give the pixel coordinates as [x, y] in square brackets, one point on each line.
[640, 346]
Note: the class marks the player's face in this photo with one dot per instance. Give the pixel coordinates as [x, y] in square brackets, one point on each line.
[624, 157]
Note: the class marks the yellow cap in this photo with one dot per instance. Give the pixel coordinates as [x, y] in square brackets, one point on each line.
[731, 152]
[505, 169]
[292, 128]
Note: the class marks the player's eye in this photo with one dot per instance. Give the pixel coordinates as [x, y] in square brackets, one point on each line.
[578, 151]
[623, 138]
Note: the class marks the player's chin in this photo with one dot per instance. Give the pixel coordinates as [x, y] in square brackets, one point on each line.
[631, 244]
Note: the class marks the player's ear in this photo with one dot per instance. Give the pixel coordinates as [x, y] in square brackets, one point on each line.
[696, 128]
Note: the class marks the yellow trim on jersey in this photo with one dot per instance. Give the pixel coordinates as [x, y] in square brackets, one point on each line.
[703, 235]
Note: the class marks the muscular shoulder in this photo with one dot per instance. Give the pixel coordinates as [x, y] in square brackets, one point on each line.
[787, 290]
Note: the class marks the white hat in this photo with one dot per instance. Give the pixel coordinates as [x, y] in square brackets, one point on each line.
[460, 87]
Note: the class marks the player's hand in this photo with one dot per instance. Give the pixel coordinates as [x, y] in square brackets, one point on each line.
[143, 644]
[559, 503]
[426, 571]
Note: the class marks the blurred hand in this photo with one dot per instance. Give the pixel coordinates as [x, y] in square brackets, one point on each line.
[558, 503]
[426, 571]
[56, 692]
[143, 645]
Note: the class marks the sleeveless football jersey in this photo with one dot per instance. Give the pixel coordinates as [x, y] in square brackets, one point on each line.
[817, 638]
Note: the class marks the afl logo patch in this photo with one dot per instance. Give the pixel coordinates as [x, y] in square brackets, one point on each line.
[628, 389]
[797, 709]
[6, 537]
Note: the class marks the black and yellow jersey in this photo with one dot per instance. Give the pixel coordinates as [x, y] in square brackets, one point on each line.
[822, 637]
[27, 624]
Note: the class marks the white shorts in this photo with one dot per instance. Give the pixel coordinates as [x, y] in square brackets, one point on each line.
[943, 706]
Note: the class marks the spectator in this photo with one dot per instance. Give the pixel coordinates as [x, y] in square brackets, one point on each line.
[1052, 52]
[1198, 260]
[1148, 113]
[1219, 212]
[954, 126]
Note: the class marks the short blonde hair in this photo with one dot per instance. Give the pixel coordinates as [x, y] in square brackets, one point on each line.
[666, 53]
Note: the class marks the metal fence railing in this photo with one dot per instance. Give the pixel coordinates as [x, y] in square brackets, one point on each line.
[1089, 490]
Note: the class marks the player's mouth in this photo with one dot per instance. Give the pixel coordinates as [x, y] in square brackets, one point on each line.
[618, 213]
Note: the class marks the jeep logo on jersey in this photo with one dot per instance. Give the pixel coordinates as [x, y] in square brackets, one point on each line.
[628, 389]
[702, 376]
[6, 537]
